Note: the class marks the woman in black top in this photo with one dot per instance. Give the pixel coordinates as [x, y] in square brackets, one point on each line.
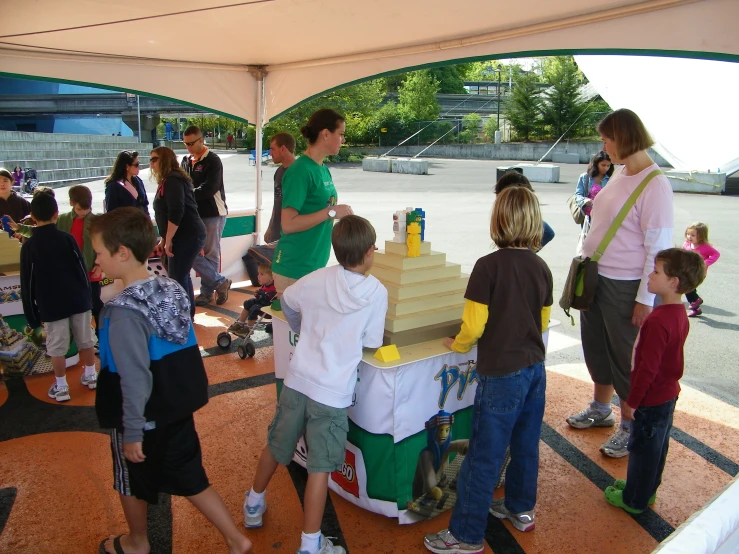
[181, 230]
[124, 187]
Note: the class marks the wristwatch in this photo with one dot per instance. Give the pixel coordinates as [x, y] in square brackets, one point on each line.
[332, 213]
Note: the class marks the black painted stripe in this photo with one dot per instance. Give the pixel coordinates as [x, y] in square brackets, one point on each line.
[652, 522]
[698, 447]
[330, 526]
[500, 539]
[705, 451]
[7, 499]
[241, 384]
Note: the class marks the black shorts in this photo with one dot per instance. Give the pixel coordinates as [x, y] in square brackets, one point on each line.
[173, 463]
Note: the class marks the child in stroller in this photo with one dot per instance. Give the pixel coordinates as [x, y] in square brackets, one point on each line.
[30, 180]
[253, 306]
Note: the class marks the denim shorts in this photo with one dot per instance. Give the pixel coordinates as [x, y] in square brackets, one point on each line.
[324, 427]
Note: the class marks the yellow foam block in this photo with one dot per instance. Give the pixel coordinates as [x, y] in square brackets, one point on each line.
[387, 353]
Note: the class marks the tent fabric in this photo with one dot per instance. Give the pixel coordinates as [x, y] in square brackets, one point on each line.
[685, 104]
[201, 51]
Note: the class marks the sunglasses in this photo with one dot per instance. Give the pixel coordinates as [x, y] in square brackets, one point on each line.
[136, 164]
[193, 142]
[154, 159]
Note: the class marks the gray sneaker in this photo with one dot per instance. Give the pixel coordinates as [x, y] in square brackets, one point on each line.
[444, 542]
[60, 394]
[203, 299]
[523, 521]
[253, 516]
[89, 381]
[590, 417]
[616, 447]
[326, 547]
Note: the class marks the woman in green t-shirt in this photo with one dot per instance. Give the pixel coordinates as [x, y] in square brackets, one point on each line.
[309, 205]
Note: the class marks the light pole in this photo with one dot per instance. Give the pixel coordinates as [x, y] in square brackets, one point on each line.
[498, 70]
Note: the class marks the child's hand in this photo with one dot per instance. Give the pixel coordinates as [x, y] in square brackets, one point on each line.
[97, 273]
[134, 452]
[627, 412]
[448, 342]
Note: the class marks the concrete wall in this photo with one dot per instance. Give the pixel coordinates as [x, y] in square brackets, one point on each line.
[506, 151]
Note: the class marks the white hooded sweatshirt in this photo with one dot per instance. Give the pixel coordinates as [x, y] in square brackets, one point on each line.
[337, 313]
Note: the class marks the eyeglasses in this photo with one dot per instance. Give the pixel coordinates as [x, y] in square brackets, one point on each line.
[193, 142]
[154, 159]
[136, 164]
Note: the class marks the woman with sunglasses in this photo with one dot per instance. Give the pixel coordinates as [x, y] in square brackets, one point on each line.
[181, 230]
[124, 187]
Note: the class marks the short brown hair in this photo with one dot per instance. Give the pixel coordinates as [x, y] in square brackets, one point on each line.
[516, 221]
[284, 139]
[686, 265]
[128, 227]
[43, 189]
[80, 195]
[628, 132]
[265, 267]
[192, 130]
[511, 178]
[352, 237]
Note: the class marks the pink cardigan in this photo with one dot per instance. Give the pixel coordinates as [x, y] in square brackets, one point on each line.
[707, 252]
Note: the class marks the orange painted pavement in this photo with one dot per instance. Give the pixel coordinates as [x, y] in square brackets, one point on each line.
[65, 501]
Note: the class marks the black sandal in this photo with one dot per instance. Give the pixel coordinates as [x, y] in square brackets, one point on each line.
[116, 546]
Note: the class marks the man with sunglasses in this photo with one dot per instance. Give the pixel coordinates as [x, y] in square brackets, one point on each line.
[206, 171]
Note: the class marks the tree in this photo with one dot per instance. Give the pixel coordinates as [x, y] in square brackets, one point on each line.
[472, 123]
[561, 105]
[491, 125]
[523, 106]
[486, 71]
[450, 79]
[417, 97]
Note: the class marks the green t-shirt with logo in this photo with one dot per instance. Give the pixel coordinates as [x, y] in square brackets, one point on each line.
[306, 187]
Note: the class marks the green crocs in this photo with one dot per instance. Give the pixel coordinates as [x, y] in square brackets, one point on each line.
[620, 484]
[615, 498]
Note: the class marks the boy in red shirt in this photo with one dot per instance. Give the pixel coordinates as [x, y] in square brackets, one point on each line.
[657, 367]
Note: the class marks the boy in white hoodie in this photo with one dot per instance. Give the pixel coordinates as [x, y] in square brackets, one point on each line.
[340, 310]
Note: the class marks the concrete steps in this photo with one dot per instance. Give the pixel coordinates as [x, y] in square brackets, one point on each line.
[64, 159]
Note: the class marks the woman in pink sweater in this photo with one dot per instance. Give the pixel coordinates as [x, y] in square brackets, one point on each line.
[696, 238]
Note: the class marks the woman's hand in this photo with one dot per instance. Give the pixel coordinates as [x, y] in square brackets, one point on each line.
[448, 342]
[640, 314]
[159, 248]
[342, 210]
[168, 249]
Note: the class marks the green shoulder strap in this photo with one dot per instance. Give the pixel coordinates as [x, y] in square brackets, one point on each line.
[622, 215]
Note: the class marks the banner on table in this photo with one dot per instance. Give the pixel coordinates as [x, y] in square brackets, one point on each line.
[10, 295]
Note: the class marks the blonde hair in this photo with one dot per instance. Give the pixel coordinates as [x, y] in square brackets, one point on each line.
[516, 221]
[701, 231]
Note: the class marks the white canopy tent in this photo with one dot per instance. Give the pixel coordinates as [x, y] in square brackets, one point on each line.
[255, 59]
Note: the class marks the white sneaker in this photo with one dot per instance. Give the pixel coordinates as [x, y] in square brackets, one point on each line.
[616, 447]
[326, 547]
[523, 521]
[90, 382]
[253, 516]
[590, 417]
[60, 394]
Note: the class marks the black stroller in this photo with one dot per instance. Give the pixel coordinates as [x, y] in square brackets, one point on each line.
[30, 180]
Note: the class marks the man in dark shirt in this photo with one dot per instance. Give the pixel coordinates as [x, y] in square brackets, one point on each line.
[206, 171]
[282, 150]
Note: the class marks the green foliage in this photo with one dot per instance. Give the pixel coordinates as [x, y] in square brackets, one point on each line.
[522, 109]
[561, 105]
[491, 125]
[597, 110]
[485, 71]
[471, 123]
[466, 136]
[450, 79]
[416, 96]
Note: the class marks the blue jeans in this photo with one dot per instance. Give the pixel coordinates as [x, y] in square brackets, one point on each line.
[648, 445]
[181, 262]
[508, 410]
[209, 263]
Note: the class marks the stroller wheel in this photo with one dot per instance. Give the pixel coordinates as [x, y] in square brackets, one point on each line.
[250, 348]
[241, 351]
[224, 340]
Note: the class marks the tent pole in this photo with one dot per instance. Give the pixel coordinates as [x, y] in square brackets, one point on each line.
[259, 75]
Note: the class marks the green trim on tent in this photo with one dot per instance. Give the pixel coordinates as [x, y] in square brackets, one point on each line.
[240, 225]
[134, 91]
[713, 56]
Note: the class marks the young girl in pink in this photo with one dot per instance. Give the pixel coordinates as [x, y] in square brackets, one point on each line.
[696, 238]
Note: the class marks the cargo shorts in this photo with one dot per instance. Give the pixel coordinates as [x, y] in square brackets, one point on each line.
[324, 427]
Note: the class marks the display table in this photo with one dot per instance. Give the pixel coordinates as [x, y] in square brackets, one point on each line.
[392, 420]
